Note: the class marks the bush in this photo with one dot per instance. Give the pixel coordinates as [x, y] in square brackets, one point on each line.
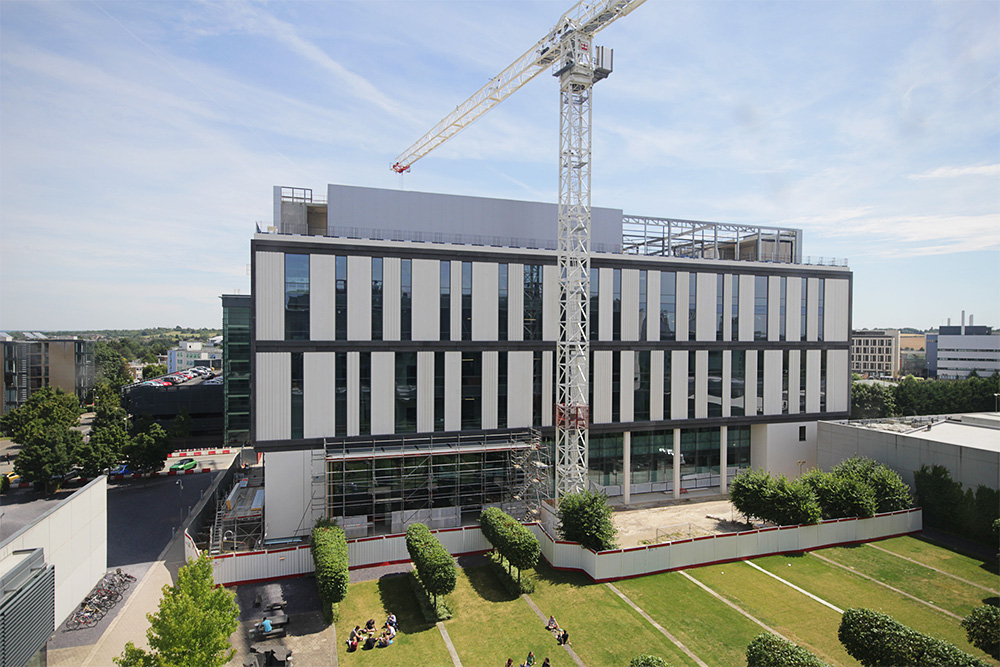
[841, 497]
[767, 650]
[515, 543]
[757, 494]
[585, 517]
[982, 627]
[969, 514]
[4, 484]
[329, 552]
[890, 492]
[875, 639]
[434, 565]
[648, 661]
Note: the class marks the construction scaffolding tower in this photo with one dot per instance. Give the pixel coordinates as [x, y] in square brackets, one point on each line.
[239, 514]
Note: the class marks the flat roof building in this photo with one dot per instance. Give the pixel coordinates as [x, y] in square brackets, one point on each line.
[875, 352]
[37, 361]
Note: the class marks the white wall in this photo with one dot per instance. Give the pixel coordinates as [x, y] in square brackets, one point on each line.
[273, 405]
[287, 511]
[269, 293]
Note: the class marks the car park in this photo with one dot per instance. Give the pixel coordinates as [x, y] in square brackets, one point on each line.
[184, 464]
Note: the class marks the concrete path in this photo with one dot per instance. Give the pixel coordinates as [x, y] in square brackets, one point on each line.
[538, 612]
[793, 586]
[929, 567]
[735, 607]
[447, 642]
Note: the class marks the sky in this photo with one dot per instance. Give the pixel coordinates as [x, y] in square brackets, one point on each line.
[139, 141]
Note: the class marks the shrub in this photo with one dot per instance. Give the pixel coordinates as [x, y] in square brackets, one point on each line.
[757, 494]
[4, 484]
[839, 496]
[767, 650]
[969, 514]
[875, 639]
[890, 492]
[434, 565]
[515, 543]
[648, 661]
[982, 627]
[585, 517]
[329, 552]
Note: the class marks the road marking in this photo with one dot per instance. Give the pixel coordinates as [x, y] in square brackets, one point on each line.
[791, 585]
[447, 642]
[929, 567]
[882, 583]
[734, 606]
[657, 626]
[539, 614]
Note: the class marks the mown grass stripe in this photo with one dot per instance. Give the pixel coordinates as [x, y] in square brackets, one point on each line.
[656, 625]
[539, 614]
[800, 590]
[732, 605]
[882, 583]
[930, 567]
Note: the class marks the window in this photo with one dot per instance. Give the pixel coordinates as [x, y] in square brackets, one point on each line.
[760, 382]
[340, 393]
[536, 382]
[642, 305]
[720, 306]
[783, 290]
[822, 380]
[532, 302]
[297, 402]
[376, 298]
[641, 386]
[737, 387]
[406, 392]
[616, 386]
[668, 305]
[502, 302]
[406, 299]
[805, 309]
[616, 306]
[445, 300]
[472, 390]
[296, 297]
[666, 384]
[760, 308]
[595, 302]
[802, 434]
[736, 307]
[365, 393]
[820, 301]
[439, 391]
[784, 382]
[692, 306]
[802, 381]
[715, 383]
[691, 384]
[502, 389]
[341, 298]
[466, 300]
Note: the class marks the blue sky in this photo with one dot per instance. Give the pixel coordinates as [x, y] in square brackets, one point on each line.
[139, 141]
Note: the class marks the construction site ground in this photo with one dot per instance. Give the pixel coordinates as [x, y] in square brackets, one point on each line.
[665, 520]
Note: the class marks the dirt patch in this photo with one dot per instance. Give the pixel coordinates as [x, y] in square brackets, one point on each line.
[676, 522]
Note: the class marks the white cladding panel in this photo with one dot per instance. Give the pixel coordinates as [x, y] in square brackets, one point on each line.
[452, 391]
[318, 394]
[269, 292]
[392, 298]
[812, 379]
[484, 301]
[628, 383]
[426, 300]
[550, 305]
[353, 393]
[425, 392]
[678, 384]
[793, 321]
[705, 313]
[656, 385]
[746, 308]
[700, 383]
[772, 382]
[751, 383]
[606, 304]
[287, 512]
[518, 393]
[601, 409]
[653, 308]
[322, 292]
[683, 296]
[630, 305]
[273, 405]
[837, 380]
[836, 310]
[491, 376]
[359, 298]
[383, 393]
[515, 302]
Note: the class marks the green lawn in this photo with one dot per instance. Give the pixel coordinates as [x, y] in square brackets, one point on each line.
[799, 618]
[712, 631]
[603, 629]
[417, 643]
[965, 567]
[955, 596]
[844, 590]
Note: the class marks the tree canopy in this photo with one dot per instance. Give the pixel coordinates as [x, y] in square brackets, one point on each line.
[585, 517]
[911, 397]
[48, 406]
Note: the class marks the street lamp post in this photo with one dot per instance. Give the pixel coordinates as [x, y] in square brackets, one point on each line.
[996, 402]
[180, 498]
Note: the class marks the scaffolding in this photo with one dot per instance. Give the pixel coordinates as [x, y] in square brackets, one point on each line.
[239, 514]
[381, 487]
[668, 237]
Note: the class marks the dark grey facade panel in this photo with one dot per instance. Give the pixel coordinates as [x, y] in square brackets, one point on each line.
[27, 618]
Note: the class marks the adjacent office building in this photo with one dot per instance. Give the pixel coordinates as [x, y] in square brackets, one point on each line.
[403, 354]
[38, 361]
[191, 353]
[954, 352]
[875, 352]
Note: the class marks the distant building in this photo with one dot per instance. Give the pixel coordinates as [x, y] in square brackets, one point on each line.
[191, 353]
[875, 352]
[955, 351]
[236, 367]
[36, 361]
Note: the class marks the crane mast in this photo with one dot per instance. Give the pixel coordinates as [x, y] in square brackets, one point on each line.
[568, 48]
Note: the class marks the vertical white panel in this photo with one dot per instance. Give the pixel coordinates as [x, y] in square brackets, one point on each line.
[701, 383]
[746, 308]
[383, 393]
[794, 379]
[653, 305]
[359, 298]
[456, 302]
[679, 383]
[485, 299]
[836, 309]
[353, 393]
[727, 310]
[750, 400]
[452, 391]
[274, 396]
[772, 382]
[602, 386]
[837, 380]
[727, 382]
[317, 393]
[322, 291]
[773, 308]
[812, 313]
[392, 313]
[519, 389]
[515, 302]
[630, 305]
[548, 391]
[793, 308]
[491, 377]
[550, 304]
[606, 303]
[286, 514]
[683, 296]
[656, 385]
[425, 392]
[269, 292]
[705, 314]
[426, 299]
[626, 408]
[812, 373]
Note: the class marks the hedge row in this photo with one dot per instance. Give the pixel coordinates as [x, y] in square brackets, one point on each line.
[982, 627]
[435, 566]
[875, 639]
[948, 507]
[758, 495]
[329, 552]
[518, 546]
[767, 650]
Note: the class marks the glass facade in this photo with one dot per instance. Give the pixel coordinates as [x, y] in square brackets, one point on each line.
[760, 308]
[406, 392]
[341, 298]
[236, 368]
[472, 391]
[297, 396]
[445, 300]
[532, 302]
[693, 306]
[406, 299]
[296, 297]
[376, 298]
[738, 384]
[502, 302]
[642, 387]
[466, 300]
[668, 305]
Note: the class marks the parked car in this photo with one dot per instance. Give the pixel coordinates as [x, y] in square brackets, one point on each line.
[13, 477]
[122, 469]
[184, 464]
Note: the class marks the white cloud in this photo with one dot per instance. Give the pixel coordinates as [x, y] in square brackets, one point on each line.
[956, 172]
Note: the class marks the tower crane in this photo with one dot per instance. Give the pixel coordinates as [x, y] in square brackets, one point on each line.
[569, 51]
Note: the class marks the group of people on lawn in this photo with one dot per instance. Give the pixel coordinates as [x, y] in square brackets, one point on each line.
[369, 637]
[562, 638]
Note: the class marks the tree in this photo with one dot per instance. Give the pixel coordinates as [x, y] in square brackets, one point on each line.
[105, 448]
[148, 450]
[48, 406]
[153, 370]
[890, 492]
[47, 455]
[982, 627]
[872, 401]
[192, 625]
[107, 396]
[585, 517]
[434, 565]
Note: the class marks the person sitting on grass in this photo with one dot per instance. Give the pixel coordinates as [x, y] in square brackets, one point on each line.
[552, 625]
[390, 631]
[392, 621]
[384, 640]
[510, 662]
[370, 642]
[370, 626]
[530, 660]
[564, 637]
[546, 663]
